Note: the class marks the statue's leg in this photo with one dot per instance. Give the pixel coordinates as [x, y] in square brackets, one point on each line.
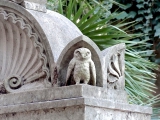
[77, 80]
[86, 81]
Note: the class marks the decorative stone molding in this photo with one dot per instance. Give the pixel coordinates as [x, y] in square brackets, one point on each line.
[77, 102]
[114, 66]
[22, 56]
[114, 71]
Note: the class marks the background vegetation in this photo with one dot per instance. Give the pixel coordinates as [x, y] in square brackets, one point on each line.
[108, 23]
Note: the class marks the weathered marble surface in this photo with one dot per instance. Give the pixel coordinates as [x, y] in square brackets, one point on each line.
[58, 93]
[95, 113]
[75, 113]
[57, 29]
[88, 107]
[64, 113]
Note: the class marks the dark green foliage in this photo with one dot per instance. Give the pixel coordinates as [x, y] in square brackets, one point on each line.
[147, 14]
[140, 11]
[156, 25]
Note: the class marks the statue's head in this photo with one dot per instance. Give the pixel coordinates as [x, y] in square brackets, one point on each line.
[82, 54]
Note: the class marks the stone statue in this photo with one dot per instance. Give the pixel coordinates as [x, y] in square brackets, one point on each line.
[82, 66]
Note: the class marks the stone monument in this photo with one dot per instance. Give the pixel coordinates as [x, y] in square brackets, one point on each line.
[50, 71]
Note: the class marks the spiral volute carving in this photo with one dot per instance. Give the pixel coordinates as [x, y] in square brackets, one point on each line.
[12, 83]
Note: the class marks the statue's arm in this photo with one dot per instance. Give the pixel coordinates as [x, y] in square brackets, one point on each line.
[93, 72]
[70, 68]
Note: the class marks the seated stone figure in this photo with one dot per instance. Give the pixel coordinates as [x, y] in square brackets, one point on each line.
[82, 66]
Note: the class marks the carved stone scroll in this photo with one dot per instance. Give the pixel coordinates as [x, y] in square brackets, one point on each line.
[22, 56]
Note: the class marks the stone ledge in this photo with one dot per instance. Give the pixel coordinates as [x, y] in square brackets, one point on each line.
[99, 103]
[57, 93]
[68, 96]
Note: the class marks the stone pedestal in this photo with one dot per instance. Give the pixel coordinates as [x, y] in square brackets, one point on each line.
[77, 102]
[36, 49]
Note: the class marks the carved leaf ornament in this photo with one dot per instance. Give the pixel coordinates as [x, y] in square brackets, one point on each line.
[22, 57]
[114, 71]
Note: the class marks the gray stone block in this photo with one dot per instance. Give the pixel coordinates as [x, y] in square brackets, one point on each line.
[58, 93]
[78, 102]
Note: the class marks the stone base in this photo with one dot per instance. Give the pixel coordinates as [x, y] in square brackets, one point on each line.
[77, 102]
